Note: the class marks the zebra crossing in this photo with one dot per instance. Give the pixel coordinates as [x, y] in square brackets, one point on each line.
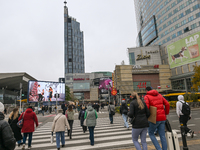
[106, 136]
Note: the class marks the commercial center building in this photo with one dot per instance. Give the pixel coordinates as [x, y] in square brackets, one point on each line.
[174, 26]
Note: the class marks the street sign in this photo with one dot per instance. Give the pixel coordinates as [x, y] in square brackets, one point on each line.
[114, 92]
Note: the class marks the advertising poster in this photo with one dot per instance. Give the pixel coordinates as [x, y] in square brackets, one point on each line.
[184, 51]
[104, 84]
[42, 91]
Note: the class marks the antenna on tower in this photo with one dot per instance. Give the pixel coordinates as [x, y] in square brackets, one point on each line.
[65, 3]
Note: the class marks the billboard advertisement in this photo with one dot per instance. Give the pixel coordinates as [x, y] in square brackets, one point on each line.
[184, 51]
[104, 84]
[42, 91]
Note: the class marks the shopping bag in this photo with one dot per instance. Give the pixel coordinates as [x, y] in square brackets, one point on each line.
[51, 138]
[153, 114]
[84, 122]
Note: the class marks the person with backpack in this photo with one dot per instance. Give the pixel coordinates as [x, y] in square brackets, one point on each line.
[124, 112]
[111, 110]
[183, 111]
[140, 113]
[81, 118]
[7, 140]
[58, 126]
[153, 98]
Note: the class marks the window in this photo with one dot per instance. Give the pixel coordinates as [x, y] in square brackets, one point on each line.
[181, 15]
[164, 26]
[175, 10]
[177, 25]
[198, 15]
[179, 33]
[173, 35]
[169, 22]
[190, 18]
[163, 12]
[163, 41]
[168, 39]
[188, 2]
[161, 6]
[195, 7]
[165, 18]
[174, 19]
[187, 11]
[160, 21]
[160, 29]
[173, 4]
[170, 14]
[162, 35]
[181, 7]
[183, 22]
[193, 26]
[168, 8]
[178, 1]
[171, 29]
[159, 43]
[166, 32]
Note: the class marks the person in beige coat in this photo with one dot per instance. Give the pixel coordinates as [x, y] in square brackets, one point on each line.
[59, 124]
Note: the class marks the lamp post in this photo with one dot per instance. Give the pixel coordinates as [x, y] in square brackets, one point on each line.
[56, 101]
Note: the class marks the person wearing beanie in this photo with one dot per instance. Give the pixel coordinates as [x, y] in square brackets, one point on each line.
[183, 119]
[7, 140]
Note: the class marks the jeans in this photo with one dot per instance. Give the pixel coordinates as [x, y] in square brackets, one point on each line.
[58, 135]
[19, 142]
[160, 125]
[91, 130]
[29, 138]
[142, 132]
[183, 120]
[43, 112]
[71, 125]
[125, 117]
[111, 118]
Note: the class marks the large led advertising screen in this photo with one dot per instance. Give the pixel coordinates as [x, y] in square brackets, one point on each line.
[184, 51]
[42, 91]
[104, 84]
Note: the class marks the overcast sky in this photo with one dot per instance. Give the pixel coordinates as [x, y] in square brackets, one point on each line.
[32, 35]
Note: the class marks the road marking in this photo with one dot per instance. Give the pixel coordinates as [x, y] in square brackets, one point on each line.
[191, 125]
[196, 118]
[175, 121]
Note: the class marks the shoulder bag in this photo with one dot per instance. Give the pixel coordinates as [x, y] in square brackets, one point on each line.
[84, 122]
[20, 122]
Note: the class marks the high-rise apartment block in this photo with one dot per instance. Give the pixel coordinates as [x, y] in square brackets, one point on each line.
[74, 45]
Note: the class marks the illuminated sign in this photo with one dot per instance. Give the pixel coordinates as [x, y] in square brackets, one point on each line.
[78, 79]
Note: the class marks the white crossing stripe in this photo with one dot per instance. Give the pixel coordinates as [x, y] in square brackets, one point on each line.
[106, 136]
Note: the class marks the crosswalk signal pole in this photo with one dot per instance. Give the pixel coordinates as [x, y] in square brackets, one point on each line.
[56, 102]
[183, 137]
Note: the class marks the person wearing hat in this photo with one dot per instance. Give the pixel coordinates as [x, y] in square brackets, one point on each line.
[7, 140]
[81, 118]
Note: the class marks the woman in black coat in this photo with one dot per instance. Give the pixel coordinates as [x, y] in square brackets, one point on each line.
[81, 118]
[13, 119]
[140, 112]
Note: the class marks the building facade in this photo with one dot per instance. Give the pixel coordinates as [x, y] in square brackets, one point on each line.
[172, 24]
[73, 45]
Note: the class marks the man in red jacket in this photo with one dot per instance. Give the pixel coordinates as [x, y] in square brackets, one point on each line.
[29, 119]
[153, 98]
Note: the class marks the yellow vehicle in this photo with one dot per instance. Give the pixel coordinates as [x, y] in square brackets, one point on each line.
[174, 96]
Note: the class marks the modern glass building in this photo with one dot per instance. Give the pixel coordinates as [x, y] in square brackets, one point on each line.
[172, 24]
[74, 45]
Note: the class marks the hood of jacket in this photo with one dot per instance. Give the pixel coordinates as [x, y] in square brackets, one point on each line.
[153, 93]
[2, 116]
[89, 108]
[181, 98]
[29, 110]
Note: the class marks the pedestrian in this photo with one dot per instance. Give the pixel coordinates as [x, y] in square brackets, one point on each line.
[55, 108]
[29, 119]
[50, 109]
[59, 123]
[183, 118]
[13, 119]
[46, 109]
[7, 140]
[153, 98]
[91, 116]
[78, 108]
[81, 118]
[140, 112]
[43, 109]
[70, 117]
[111, 110]
[124, 112]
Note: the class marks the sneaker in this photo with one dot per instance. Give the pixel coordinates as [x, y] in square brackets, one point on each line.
[192, 134]
[63, 145]
[23, 147]
[58, 148]
[29, 147]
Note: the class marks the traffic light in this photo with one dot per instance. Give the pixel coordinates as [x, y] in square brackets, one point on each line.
[117, 92]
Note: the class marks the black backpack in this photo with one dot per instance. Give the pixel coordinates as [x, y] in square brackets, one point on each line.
[185, 109]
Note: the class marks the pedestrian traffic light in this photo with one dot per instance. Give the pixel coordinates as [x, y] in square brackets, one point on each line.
[117, 92]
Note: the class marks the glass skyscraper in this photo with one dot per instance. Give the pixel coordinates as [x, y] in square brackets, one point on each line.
[162, 22]
[74, 45]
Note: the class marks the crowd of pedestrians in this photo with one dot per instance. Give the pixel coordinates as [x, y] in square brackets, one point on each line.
[137, 113]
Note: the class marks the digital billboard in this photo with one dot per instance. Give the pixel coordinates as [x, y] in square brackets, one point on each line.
[104, 83]
[42, 91]
[184, 51]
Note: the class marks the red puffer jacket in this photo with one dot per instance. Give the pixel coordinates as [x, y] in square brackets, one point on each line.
[153, 98]
[29, 119]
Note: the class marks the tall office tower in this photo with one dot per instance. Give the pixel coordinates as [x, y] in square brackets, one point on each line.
[162, 22]
[74, 46]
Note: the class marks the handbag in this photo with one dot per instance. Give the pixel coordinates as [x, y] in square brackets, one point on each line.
[51, 138]
[131, 120]
[84, 122]
[66, 114]
[20, 122]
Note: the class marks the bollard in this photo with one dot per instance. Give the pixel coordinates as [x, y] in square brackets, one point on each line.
[184, 137]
